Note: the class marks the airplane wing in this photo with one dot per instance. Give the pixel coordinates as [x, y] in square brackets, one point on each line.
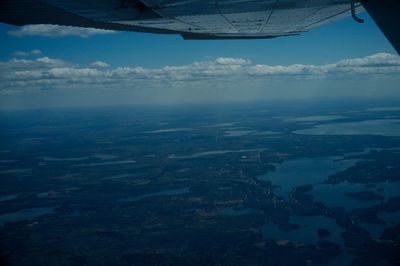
[192, 19]
[386, 14]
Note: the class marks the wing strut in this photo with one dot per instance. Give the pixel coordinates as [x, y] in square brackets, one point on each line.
[353, 12]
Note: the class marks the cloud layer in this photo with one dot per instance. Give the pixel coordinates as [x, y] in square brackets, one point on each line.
[45, 30]
[100, 64]
[29, 53]
[20, 75]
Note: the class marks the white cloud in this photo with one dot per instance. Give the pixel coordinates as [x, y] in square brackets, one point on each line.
[29, 53]
[378, 60]
[100, 64]
[19, 75]
[232, 61]
[47, 30]
[48, 61]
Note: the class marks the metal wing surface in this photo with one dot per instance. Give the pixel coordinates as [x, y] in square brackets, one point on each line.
[199, 19]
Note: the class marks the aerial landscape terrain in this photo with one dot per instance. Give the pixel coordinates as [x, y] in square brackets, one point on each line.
[296, 183]
[199, 133]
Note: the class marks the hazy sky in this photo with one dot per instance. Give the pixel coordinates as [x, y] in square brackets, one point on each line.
[44, 66]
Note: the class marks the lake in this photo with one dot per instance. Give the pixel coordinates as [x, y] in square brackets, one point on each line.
[304, 171]
[382, 127]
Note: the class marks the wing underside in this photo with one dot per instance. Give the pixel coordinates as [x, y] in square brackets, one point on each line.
[201, 19]
[192, 19]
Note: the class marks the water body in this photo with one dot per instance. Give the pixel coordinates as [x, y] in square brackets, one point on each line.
[169, 130]
[267, 133]
[238, 133]
[25, 214]
[228, 124]
[70, 159]
[104, 156]
[167, 192]
[333, 195]
[305, 171]
[106, 163]
[362, 152]
[183, 170]
[308, 231]
[307, 234]
[210, 153]
[117, 176]
[382, 127]
[383, 109]
[390, 218]
[375, 230]
[76, 159]
[315, 118]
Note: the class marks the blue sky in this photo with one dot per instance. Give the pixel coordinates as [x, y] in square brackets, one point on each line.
[332, 42]
[141, 59]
